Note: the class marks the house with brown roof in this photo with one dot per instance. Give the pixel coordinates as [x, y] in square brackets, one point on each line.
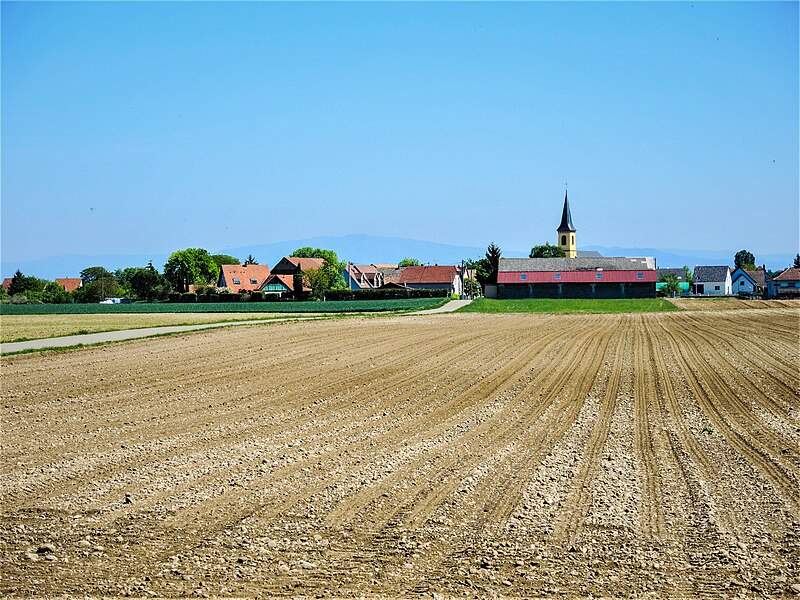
[433, 278]
[285, 278]
[362, 277]
[785, 285]
[243, 278]
[70, 283]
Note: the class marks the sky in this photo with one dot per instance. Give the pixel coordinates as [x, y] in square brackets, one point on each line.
[151, 127]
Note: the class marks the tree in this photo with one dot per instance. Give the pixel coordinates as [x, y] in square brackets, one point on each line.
[317, 280]
[53, 293]
[688, 275]
[190, 266]
[673, 284]
[90, 274]
[20, 284]
[493, 259]
[98, 290]
[409, 262]
[547, 251]
[251, 260]
[744, 259]
[796, 263]
[224, 259]
[471, 287]
[331, 270]
[147, 283]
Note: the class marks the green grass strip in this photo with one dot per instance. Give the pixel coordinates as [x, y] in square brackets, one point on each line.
[568, 306]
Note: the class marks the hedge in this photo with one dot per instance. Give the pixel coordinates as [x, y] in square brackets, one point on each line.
[221, 307]
[385, 294]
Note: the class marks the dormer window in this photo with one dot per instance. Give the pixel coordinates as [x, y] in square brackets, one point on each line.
[236, 281]
[253, 281]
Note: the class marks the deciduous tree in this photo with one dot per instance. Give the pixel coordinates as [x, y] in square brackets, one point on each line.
[190, 266]
[331, 277]
[409, 262]
[744, 259]
[546, 250]
[224, 259]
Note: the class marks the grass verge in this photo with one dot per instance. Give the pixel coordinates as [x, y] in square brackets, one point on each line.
[568, 306]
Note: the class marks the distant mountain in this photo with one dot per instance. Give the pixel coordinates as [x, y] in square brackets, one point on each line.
[360, 248]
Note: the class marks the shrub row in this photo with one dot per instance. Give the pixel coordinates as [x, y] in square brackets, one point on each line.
[333, 295]
[385, 294]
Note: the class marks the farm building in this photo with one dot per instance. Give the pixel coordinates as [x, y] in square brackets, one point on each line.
[679, 273]
[602, 277]
[246, 278]
[712, 281]
[433, 278]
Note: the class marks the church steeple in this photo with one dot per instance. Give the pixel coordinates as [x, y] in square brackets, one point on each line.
[566, 231]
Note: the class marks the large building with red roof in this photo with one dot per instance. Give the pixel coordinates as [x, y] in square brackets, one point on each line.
[246, 278]
[577, 275]
[433, 278]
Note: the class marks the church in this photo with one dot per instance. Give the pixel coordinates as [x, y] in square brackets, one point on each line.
[578, 274]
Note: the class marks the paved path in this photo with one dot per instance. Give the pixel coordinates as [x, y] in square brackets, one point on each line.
[449, 307]
[131, 334]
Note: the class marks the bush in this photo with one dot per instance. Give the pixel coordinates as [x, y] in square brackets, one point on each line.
[257, 296]
[189, 297]
[174, 297]
[385, 294]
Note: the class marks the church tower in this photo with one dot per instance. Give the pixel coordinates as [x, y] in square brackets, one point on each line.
[566, 232]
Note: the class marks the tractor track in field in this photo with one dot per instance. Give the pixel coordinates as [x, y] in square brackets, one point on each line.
[478, 455]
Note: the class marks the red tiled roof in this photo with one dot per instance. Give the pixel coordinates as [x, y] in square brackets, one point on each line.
[791, 274]
[69, 283]
[307, 263]
[244, 273]
[443, 274]
[7, 283]
[758, 275]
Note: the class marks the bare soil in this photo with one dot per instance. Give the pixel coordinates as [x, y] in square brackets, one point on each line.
[463, 455]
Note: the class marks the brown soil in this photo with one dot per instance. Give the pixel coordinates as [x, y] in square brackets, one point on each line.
[462, 455]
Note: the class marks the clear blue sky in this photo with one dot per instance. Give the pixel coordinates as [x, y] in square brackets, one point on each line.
[149, 127]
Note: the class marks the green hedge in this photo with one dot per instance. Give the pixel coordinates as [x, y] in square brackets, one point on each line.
[220, 307]
[385, 294]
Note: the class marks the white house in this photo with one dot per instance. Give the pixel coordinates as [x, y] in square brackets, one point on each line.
[712, 281]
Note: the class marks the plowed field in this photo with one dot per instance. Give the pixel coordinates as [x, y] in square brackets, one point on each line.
[463, 455]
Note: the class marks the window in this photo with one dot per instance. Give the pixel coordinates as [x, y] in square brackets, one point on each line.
[563, 240]
[254, 281]
[236, 281]
[523, 276]
[558, 275]
[573, 240]
[640, 276]
[598, 275]
[716, 287]
[741, 282]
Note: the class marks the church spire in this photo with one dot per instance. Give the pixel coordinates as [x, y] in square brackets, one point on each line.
[566, 231]
[566, 217]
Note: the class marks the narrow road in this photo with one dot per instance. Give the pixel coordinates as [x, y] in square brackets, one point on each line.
[130, 334]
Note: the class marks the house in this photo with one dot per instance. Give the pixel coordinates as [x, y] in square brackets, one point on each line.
[786, 285]
[712, 280]
[243, 278]
[743, 283]
[604, 277]
[70, 283]
[362, 277]
[390, 273]
[761, 277]
[433, 278]
[285, 280]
